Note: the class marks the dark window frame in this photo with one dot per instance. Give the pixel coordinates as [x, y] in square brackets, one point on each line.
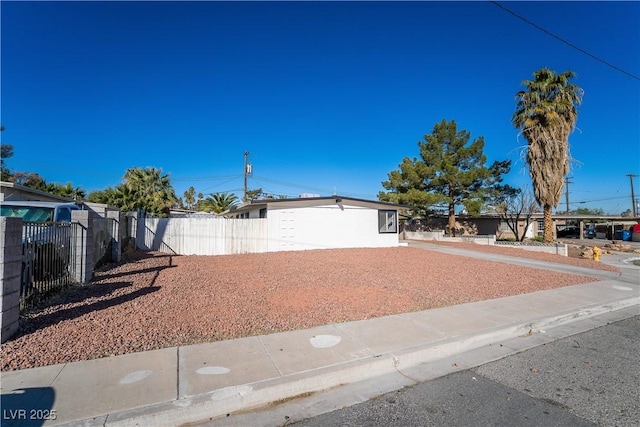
[387, 221]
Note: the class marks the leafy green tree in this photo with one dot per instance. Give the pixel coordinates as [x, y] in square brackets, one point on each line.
[587, 211]
[546, 114]
[254, 194]
[30, 179]
[35, 181]
[6, 151]
[451, 172]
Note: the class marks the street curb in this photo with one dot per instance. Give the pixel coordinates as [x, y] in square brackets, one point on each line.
[222, 402]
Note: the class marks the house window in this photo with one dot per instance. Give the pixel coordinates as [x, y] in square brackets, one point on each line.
[263, 213]
[540, 227]
[387, 221]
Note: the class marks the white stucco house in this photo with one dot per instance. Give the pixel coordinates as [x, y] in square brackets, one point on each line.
[324, 222]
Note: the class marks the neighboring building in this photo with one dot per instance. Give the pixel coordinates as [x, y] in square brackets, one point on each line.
[492, 225]
[485, 224]
[20, 193]
[11, 192]
[324, 222]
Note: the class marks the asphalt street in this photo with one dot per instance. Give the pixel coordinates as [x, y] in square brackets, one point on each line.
[591, 378]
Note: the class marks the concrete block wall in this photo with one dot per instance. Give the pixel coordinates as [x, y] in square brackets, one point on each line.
[82, 239]
[11, 262]
[556, 248]
[10, 270]
[118, 235]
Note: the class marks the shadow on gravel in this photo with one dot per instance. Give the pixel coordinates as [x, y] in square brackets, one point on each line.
[103, 273]
[107, 276]
[32, 324]
[139, 254]
[99, 288]
[77, 292]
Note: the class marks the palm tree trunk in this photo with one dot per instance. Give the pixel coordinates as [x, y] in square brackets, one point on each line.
[547, 236]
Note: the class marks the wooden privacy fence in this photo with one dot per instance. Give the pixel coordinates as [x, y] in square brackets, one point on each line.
[202, 236]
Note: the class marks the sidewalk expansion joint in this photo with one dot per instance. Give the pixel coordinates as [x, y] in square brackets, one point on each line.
[178, 396]
[269, 356]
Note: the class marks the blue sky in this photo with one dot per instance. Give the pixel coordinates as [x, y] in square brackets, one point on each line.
[326, 96]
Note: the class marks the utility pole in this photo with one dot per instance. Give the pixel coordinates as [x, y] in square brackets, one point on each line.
[633, 196]
[566, 194]
[247, 172]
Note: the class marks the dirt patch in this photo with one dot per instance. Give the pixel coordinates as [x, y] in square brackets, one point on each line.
[156, 300]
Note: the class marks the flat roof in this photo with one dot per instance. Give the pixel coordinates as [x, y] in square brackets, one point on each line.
[36, 204]
[302, 200]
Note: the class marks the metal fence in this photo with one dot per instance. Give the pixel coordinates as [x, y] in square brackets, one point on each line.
[47, 251]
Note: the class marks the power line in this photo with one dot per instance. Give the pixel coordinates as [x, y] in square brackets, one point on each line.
[600, 200]
[217, 185]
[205, 178]
[292, 185]
[564, 41]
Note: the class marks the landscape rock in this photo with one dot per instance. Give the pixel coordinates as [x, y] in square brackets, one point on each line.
[157, 300]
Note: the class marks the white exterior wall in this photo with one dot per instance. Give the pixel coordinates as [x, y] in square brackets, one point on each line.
[323, 227]
[532, 230]
[285, 228]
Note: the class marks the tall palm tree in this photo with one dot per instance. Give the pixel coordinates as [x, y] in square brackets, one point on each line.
[546, 113]
[120, 196]
[69, 191]
[153, 189]
[219, 202]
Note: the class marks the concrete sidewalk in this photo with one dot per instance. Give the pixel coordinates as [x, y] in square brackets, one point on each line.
[199, 383]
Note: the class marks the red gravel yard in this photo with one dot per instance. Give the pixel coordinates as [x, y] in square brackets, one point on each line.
[156, 300]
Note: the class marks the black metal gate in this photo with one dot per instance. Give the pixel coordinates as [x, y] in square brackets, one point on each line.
[47, 253]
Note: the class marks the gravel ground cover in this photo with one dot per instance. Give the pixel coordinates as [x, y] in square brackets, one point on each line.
[155, 300]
